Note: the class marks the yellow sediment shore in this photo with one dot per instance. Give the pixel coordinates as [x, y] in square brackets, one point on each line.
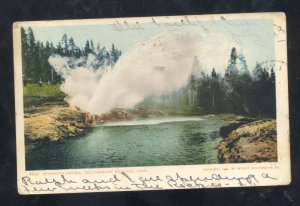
[57, 122]
[252, 142]
[54, 124]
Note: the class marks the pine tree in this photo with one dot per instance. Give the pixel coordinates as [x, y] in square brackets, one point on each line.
[35, 56]
[192, 91]
[257, 72]
[92, 47]
[101, 55]
[24, 41]
[244, 67]
[214, 73]
[72, 46]
[32, 56]
[272, 76]
[233, 56]
[107, 59]
[49, 70]
[25, 47]
[52, 49]
[98, 48]
[78, 52]
[216, 93]
[31, 39]
[65, 45]
[59, 49]
[38, 62]
[231, 68]
[113, 54]
[47, 46]
[233, 85]
[87, 48]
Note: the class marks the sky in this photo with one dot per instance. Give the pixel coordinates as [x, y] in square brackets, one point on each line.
[254, 38]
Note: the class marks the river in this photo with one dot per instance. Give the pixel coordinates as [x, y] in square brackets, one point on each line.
[170, 140]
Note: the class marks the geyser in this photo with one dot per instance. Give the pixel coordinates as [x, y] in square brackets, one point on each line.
[157, 66]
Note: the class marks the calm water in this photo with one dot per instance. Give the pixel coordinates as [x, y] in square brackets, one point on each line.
[164, 141]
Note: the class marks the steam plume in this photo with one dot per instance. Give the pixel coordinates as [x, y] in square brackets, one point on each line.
[157, 66]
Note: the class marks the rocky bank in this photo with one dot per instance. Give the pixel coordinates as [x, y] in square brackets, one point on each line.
[55, 123]
[251, 142]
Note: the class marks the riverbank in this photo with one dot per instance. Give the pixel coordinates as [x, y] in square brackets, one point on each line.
[244, 139]
[52, 123]
[250, 142]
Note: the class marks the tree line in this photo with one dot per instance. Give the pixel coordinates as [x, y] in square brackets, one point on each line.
[236, 91]
[35, 56]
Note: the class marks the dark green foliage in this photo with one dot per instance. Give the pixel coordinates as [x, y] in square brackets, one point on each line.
[35, 56]
[115, 54]
[239, 94]
[87, 48]
[232, 69]
[236, 92]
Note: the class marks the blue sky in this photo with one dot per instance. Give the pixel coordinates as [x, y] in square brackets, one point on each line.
[254, 38]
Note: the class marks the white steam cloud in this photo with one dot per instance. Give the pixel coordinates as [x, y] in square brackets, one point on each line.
[160, 65]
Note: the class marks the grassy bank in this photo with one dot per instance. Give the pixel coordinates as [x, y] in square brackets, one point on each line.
[46, 94]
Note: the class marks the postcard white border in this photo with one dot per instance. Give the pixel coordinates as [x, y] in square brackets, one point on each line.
[279, 172]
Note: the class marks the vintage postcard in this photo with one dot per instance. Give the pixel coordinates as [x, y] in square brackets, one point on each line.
[152, 103]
